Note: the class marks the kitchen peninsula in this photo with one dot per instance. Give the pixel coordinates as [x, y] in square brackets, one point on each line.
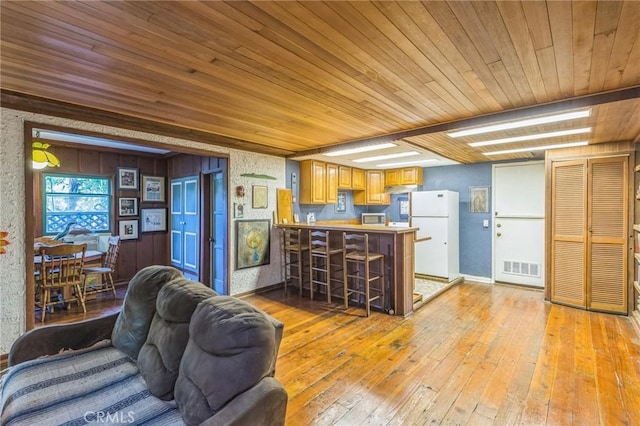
[395, 243]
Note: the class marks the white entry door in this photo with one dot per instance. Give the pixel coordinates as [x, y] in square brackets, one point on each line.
[518, 226]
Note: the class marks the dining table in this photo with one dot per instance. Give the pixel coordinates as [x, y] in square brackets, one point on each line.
[90, 257]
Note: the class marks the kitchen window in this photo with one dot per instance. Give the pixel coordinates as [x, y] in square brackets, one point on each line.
[82, 199]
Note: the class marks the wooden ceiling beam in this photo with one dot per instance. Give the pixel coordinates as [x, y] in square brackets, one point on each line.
[30, 103]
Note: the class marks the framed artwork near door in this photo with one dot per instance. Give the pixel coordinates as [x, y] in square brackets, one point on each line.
[238, 210]
[252, 243]
[153, 220]
[479, 199]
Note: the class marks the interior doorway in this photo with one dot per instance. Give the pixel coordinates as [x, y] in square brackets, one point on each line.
[114, 146]
[518, 237]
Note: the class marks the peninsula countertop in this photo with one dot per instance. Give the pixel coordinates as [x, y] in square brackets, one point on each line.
[397, 245]
[348, 227]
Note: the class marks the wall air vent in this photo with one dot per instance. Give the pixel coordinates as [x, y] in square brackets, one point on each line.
[521, 268]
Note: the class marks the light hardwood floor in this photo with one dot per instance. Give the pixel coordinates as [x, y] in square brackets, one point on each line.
[477, 354]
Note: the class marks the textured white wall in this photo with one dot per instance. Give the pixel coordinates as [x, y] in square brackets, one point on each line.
[13, 309]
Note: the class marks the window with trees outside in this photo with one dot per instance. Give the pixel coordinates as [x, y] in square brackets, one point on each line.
[79, 199]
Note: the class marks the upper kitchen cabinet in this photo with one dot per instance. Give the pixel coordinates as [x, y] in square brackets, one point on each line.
[404, 176]
[331, 190]
[313, 182]
[392, 177]
[374, 191]
[344, 177]
[411, 176]
[358, 180]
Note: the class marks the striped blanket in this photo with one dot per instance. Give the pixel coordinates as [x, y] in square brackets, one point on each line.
[98, 385]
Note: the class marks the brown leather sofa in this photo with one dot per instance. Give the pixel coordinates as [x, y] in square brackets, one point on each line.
[176, 353]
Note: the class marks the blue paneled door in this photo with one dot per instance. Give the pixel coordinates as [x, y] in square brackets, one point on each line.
[185, 226]
[219, 234]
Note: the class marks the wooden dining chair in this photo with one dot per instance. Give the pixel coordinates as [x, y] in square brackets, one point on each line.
[60, 268]
[105, 271]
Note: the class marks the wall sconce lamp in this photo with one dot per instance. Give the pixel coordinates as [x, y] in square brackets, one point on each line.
[41, 157]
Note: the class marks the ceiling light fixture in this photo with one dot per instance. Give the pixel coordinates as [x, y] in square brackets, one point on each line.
[532, 137]
[361, 149]
[41, 158]
[522, 123]
[386, 157]
[538, 148]
[405, 163]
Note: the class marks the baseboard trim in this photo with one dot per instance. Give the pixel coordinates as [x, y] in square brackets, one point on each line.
[483, 280]
[260, 290]
[635, 321]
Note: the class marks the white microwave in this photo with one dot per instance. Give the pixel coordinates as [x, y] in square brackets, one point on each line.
[374, 219]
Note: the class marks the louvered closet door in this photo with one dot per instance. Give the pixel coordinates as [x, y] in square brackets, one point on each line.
[607, 242]
[569, 195]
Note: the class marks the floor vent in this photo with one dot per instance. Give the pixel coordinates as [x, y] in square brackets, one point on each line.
[521, 268]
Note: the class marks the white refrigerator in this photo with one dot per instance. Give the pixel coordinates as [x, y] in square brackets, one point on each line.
[436, 215]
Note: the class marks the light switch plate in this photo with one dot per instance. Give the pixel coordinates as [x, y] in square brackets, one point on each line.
[485, 223]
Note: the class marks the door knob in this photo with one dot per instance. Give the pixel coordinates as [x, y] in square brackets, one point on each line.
[498, 225]
[499, 234]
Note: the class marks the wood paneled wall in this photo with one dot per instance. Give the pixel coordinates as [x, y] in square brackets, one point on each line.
[149, 248]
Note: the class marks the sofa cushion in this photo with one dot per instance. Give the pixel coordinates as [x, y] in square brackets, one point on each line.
[159, 357]
[97, 385]
[232, 346]
[139, 306]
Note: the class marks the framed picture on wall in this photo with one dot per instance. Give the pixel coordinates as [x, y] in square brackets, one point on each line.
[252, 243]
[341, 204]
[260, 197]
[128, 206]
[404, 207]
[238, 210]
[127, 178]
[153, 220]
[479, 199]
[128, 229]
[153, 188]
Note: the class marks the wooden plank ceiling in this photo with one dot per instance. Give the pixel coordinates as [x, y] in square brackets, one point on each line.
[290, 77]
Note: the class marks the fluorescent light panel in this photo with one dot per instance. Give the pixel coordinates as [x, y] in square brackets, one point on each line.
[386, 157]
[522, 123]
[538, 148]
[404, 163]
[532, 137]
[361, 149]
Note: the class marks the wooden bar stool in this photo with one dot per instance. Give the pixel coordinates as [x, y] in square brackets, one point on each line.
[325, 266]
[358, 274]
[293, 251]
